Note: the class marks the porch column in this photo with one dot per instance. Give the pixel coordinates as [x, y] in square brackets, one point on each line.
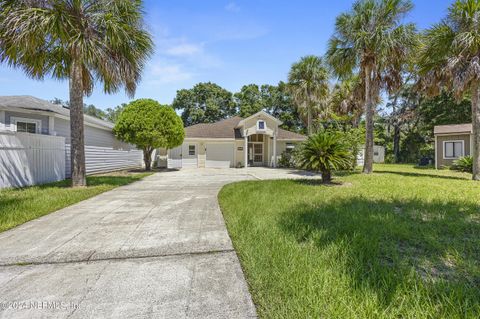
[245, 149]
[275, 148]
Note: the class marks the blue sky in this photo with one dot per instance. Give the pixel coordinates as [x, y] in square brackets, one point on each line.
[229, 43]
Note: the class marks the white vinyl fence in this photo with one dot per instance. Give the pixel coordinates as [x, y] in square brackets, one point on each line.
[105, 159]
[28, 159]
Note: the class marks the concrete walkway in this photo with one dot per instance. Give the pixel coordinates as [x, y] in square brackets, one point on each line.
[157, 248]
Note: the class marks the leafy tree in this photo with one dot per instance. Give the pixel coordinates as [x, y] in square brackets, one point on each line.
[94, 111]
[204, 103]
[113, 113]
[90, 109]
[372, 40]
[450, 59]
[324, 152]
[308, 81]
[278, 102]
[83, 41]
[249, 100]
[149, 125]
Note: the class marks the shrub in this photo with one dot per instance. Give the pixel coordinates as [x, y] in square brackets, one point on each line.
[288, 159]
[325, 152]
[463, 164]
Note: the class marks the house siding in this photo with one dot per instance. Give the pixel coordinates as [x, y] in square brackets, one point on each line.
[93, 136]
[441, 139]
[42, 118]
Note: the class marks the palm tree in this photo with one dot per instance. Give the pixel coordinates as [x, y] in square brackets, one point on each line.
[81, 40]
[308, 83]
[347, 99]
[371, 40]
[450, 60]
[324, 152]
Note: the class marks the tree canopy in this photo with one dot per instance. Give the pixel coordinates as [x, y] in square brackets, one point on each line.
[204, 103]
[149, 125]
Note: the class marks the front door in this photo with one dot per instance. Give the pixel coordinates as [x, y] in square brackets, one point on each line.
[255, 154]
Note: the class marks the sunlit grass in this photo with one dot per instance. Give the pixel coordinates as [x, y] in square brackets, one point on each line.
[18, 206]
[400, 243]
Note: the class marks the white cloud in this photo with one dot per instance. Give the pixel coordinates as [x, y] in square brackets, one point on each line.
[169, 73]
[232, 7]
[184, 49]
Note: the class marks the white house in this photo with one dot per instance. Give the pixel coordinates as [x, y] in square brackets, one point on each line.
[256, 140]
[24, 116]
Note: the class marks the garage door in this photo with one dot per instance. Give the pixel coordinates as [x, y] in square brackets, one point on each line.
[219, 155]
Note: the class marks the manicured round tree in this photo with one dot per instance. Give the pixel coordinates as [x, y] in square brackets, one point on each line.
[149, 125]
[325, 152]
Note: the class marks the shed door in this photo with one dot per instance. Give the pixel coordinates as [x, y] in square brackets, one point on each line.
[219, 155]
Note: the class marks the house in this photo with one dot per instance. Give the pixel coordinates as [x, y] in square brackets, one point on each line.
[256, 140]
[451, 143]
[24, 117]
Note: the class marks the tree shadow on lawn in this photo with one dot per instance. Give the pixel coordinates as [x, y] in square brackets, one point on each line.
[410, 174]
[382, 241]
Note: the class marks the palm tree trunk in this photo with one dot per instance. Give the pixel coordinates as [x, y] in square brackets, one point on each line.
[77, 140]
[326, 176]
[309, 119]
[368, 156]
[396, 142]
[476, 131]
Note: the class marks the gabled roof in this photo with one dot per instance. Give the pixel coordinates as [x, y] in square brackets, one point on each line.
[221, 129]
[453, 129]
[228, 128]
[241, 123]
[28, 102]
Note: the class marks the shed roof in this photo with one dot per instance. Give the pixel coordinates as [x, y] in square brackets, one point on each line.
[453, 129]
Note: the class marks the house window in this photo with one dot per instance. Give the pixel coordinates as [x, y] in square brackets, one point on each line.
[26, 125]
[261, 125]
[290, 147]
[453, 149]
[191, 150]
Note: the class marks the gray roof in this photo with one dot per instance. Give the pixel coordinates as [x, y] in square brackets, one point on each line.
[453, 129]
[28, 102]
[227, 129]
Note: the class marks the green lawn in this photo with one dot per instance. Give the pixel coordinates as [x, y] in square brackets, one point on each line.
[400, 243]
[18, 206]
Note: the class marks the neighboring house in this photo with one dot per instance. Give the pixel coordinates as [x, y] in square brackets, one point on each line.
[256, 140]
[451, 143]
[26, 115]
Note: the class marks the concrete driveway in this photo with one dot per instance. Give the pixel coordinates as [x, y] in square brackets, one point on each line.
[157, 248]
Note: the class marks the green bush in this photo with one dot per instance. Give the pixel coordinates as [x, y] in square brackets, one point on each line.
[286, 160]
[325, 152]
[463, 164]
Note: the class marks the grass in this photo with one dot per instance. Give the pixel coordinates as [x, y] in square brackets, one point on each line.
[400, 243]
[20, 205]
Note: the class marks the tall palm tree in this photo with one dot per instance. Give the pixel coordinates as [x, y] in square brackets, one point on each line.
[450, 59]
[308, 83]
[81, 40]
[372, 40]
[347, 99]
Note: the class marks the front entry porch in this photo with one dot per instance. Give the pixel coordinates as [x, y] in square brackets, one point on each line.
[259, 150]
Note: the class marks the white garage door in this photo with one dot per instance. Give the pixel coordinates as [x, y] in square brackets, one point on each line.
[219, 155]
